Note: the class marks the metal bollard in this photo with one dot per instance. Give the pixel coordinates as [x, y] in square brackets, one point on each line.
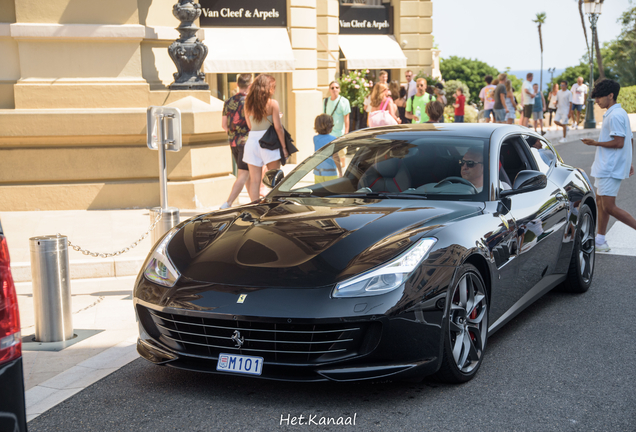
[169, 219]
[51, 288]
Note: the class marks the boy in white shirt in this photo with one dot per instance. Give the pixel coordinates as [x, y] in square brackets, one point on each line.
[613, 160]
[564, 106]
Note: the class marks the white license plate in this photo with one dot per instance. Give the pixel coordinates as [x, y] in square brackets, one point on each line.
[240, 364]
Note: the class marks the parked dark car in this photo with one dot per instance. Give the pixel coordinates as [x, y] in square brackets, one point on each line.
[432, 238]
[12, 407]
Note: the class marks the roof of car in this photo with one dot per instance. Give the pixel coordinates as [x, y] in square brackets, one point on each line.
[478, 130]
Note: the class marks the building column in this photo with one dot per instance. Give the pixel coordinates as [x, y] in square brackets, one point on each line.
[413, 31]
[304, 98]
[328, 50]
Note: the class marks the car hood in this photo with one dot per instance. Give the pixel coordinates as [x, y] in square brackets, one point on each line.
[305, 242]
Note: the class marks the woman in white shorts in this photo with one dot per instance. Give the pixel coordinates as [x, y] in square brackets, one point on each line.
[261, 111]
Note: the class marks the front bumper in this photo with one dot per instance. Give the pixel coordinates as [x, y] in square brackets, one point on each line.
[343, 349]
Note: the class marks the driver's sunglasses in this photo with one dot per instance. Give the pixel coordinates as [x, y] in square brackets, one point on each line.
[469, 163]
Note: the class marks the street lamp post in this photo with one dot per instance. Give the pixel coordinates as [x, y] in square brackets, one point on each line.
[593, 10]
[551, 71]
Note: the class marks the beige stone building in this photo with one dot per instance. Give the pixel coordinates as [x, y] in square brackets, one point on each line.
[77, 77]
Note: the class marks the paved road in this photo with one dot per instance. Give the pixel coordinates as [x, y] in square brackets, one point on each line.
[565, 364]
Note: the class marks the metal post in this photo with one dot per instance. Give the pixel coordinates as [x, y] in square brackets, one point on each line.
[590, 121]
[51, 288]
[163, 166]
[169, 219]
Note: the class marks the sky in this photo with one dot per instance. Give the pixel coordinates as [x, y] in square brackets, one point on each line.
[502, 34]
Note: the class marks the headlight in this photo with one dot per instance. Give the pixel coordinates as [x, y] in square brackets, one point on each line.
[160, 269]
[388, 277]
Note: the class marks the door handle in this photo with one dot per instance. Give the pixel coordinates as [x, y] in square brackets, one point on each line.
[561, 197]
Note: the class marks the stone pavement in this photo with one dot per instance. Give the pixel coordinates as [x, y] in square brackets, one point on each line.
[101, 289]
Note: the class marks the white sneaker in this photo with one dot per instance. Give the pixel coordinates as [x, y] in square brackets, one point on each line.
[602, 247]
[224, 206]
[562, 140]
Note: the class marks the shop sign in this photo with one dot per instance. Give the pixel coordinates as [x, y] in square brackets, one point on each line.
[243, 13]
[365, 19]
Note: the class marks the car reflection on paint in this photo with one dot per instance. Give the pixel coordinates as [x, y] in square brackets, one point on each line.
[433, 238]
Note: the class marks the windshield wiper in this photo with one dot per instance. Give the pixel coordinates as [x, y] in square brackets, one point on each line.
[298, 194]
[385, 195]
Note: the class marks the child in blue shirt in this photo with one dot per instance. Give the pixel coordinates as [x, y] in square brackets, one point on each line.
[330, 169]
[539, 108]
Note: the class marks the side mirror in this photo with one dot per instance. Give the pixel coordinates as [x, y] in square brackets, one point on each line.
[526, 181]
[272, 178]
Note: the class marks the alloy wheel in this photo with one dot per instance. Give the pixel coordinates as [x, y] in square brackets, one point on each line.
[468, 322]
[586, 247]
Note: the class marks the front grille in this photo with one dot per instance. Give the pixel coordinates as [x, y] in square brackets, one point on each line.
[275, 342]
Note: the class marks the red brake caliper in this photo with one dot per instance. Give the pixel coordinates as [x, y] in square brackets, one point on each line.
[473, 315]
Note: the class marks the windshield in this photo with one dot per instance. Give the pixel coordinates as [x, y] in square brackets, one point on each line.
[402, 165]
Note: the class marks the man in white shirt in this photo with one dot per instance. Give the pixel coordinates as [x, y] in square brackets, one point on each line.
[579, 94]
[564, 106]
[411, 86]
[613, 160]
[527, 96]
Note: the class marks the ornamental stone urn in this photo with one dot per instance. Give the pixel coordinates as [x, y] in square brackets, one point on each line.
[188, 52]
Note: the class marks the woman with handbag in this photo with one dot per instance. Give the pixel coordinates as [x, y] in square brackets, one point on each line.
[261, 112]
[382, 107]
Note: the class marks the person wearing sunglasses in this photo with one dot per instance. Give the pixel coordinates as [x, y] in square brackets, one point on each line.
[472, 164]
[339, 108]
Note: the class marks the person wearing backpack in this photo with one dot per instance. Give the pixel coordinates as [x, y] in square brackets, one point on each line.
[416, 105]
[337, 107]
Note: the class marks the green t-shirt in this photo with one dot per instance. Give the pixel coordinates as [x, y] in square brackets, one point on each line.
[419, 102]
[343, 108]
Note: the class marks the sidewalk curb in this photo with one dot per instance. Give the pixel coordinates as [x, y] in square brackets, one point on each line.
[50, 393]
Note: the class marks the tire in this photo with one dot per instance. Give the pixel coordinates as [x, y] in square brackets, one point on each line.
[581, 270]
[466, 327]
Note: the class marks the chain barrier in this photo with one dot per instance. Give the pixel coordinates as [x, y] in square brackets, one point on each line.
[119, 252]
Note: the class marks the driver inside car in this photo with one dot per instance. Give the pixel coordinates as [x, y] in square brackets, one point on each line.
[473, 170]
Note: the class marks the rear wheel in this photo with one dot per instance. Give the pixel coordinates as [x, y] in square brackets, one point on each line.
[581, 269]
[466, 327]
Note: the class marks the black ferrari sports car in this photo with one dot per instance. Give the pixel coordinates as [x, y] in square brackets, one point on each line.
[399, 264]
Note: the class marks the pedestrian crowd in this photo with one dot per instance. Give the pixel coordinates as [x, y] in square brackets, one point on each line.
[252, 113]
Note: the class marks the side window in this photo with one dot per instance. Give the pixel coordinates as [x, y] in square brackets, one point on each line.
[512, 160]
[544, 157]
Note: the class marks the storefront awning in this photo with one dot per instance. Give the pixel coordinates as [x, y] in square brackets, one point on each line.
[245, 50]
[372, 52]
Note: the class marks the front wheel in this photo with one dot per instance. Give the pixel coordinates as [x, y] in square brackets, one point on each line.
[581, 269]
[466, 327]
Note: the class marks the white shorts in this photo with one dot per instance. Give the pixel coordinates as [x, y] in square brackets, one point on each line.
[254, 154]
[607, 186]
[561, 117]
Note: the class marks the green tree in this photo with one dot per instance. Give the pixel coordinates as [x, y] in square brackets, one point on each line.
[451, 88]
[539, 21]
[470, 72]
[620, 54]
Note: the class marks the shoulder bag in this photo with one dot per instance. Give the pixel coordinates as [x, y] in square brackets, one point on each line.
[382, 117]
[270, 141]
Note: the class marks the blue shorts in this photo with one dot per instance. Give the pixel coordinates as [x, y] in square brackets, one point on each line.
[459, 119]
[576, 107]
[607, 186]
[487, 113]
[500, 115]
